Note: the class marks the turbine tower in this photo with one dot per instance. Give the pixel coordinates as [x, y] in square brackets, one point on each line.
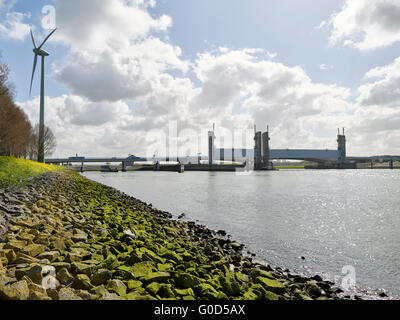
[39, 52]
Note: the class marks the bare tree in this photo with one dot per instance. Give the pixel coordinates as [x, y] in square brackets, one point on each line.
[50, 142]
[15, 127]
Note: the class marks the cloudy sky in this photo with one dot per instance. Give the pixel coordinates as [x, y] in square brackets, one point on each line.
[121, 71]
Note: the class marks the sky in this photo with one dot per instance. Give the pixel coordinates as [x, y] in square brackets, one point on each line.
[123, 74]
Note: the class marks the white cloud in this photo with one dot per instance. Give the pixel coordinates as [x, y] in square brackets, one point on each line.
[98, 25]
[385, 91]
[324, 66]
[125, 80]
[6, 5]
[321, 25]
[13, 27]
[367, 24]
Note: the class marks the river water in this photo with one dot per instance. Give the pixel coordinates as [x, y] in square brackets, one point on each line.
[345, 224]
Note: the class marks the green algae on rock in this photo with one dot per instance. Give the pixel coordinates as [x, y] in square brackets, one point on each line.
[79, 228]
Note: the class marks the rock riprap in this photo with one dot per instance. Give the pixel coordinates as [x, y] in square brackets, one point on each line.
[68, 238]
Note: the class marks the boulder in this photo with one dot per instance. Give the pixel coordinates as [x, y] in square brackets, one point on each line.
[184, 292]
[82, 282]
[15, 245]
[64, 277]
[33, 250]
[79, 236]
[252, 295]
[156, 277]
[134, 284]
[15, 291]
[68, 294]
[166, 291]
[205, 290]
[101, 277]
[37, 292]
[153, 287]
[50, 255]
[128, 233]
[229, 285]
[255, 273]
[116, 286]
[111, 296]
[312, 289]
[60, 265]
[271, 285]
[186, 280]
[83, 268]
[142, 269]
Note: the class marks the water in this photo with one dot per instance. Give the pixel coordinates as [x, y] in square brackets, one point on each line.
[333, 218]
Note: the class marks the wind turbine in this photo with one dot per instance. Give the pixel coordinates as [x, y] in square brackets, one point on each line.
[38, 51]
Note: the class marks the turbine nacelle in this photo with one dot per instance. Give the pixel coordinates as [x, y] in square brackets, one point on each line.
[40, 52]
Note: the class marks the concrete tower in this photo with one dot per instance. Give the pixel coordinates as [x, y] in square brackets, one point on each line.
[341, 148]
[211, 146]
[257, 149]
[266, 154]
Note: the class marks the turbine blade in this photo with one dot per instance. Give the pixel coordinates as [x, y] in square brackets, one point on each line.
[33, 73]
[33, 39]
[44, 41]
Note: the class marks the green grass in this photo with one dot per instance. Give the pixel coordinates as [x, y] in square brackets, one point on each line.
[13, 171]
[289, 167]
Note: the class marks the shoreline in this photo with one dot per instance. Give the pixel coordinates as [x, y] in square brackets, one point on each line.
[78, 239]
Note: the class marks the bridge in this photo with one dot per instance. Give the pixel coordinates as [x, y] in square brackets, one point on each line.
[129, 161]
[261, 155]
[319, 156]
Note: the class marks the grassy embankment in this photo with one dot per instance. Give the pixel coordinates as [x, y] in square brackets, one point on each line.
[289, 167]
[14, 171]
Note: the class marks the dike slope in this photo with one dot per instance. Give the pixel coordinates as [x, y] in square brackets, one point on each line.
[64, 237]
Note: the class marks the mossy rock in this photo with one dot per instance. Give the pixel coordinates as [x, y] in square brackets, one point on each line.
[271, 296]
[143, 269]
[15, 291]
[144, 254]
[241, 277]
[271, 285]
[221, 265]
[15, 245]
[184, 292]
[139, 296]
[99, 290]
[33, 250]
[255, 273]
[134, 284]
[110, 263]
[124, 272]
[116, 286]
[101, 277]
[205, 290]
[156, 277]
[252, 295]
[82, 282]
[186, 280]
[229, 285]
[153, 287]
[166, 291]
[83, 268]
[165, 267]
[170, 255]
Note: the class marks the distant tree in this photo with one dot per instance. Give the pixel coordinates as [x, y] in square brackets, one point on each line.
[15, 128]
[50, 142]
